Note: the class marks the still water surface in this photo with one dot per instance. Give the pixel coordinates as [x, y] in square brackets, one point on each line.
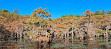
[57, 44]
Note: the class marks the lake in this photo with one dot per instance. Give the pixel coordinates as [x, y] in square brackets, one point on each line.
[57, 44]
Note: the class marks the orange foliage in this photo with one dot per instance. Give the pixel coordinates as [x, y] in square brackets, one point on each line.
[14, 25]
[43, 39]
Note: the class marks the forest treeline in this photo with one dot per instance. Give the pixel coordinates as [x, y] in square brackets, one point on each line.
[36, 28]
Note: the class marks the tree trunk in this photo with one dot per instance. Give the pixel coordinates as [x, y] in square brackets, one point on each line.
[65, 35]
[20, 36]
[106, 34]
[46, 34]
[72, 32]
[90, 29]
[17, 35]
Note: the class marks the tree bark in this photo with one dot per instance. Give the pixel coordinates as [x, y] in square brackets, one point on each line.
[72, 32]
[65, 35]
[106, 34]
[90, 28]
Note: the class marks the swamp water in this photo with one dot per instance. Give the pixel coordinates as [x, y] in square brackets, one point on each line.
[57, 44]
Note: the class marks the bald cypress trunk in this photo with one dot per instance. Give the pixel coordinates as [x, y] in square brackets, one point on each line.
[17, 35]
[72, 32]
[20, 36]
[90, 29]
[65, 35]
[106, 33]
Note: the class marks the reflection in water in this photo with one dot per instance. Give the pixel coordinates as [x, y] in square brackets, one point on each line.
[58, 43]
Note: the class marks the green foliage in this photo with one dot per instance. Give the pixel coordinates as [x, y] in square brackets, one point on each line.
[68, 15]
[97, 13]
[99, 31]
[41, 13]
[100, 12]
[34, 24]
[109, 12]
[15, 11]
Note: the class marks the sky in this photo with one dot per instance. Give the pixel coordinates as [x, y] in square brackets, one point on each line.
[56, 7]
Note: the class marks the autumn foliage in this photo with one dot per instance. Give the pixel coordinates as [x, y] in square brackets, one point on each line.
[36, 27]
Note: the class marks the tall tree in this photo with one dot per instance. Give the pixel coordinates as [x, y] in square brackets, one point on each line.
[41, 13]
[104, 13]
[96, 13]
[90, 28]
[16, 11]
[89, 14]
[109, 12]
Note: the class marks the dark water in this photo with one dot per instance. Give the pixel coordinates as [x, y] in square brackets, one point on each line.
[57, 44]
